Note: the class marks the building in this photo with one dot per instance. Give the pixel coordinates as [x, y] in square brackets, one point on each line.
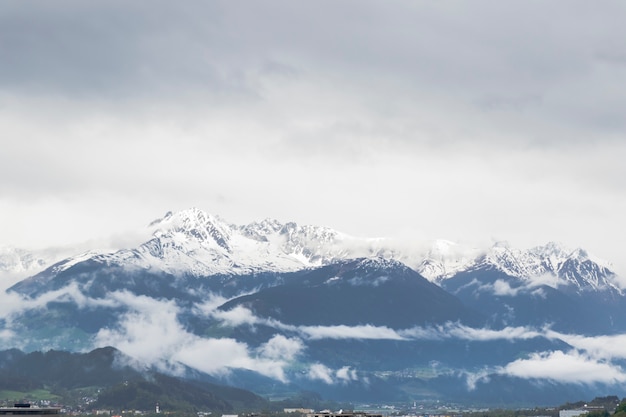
[572, 413]
[342, 413]
[27, 410]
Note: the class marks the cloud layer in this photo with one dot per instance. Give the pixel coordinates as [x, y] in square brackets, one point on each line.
[405, 119]
[151, 333]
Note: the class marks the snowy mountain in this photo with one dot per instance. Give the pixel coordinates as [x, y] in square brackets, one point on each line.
[376, 292]
[195, 243]
[198, 243]
[567, 267]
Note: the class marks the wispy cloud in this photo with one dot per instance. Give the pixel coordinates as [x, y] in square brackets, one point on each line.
[503, 288]
[151, 333]
[242, 316]
[153, 336]
[14, 304]
[237, 316]
[588, 362]
[366, 332]
[220, 356]
[281, 348]
[7, 335]
[607, 347]
[462, 332]
[321, 372]
[568, 367]
[472, 379]
[318, 371]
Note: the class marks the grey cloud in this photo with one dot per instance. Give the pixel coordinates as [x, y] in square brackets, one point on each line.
[110, 109]
[105, 48]
[406, 67]
[395, 52]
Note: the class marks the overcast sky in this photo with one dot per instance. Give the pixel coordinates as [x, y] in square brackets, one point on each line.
[471, 121]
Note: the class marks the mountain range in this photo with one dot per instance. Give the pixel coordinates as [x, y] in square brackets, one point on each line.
[195, 242]
[277, 307]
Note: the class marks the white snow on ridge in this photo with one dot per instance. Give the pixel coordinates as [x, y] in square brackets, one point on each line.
[195, 242]
[571, 267]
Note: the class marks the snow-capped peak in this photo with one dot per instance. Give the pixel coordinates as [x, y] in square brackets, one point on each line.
[193, 224]
[261, 230]
[195, 242]
[444, 258]
[574, 267]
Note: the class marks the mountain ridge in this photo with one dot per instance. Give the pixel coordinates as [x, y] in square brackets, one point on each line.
[195, 242]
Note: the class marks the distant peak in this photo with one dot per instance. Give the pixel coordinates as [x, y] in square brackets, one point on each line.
[555, 248]
[195, 224]
[191, 215]
[160, 220]
[580, 253]
[501, 244]
[194, 213]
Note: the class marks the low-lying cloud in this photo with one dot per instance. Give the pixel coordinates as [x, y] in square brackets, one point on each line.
[151, 333]
[568, 367]
[331, 376]
[240, 316]
[366, 332]
[609, 347]
[588, 362]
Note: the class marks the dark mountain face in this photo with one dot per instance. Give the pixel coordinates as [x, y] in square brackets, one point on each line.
[511, 301]
[381, 295]
[360, 292]
[65, 369]
[98, 279]
[122, 386]
[177, 394]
